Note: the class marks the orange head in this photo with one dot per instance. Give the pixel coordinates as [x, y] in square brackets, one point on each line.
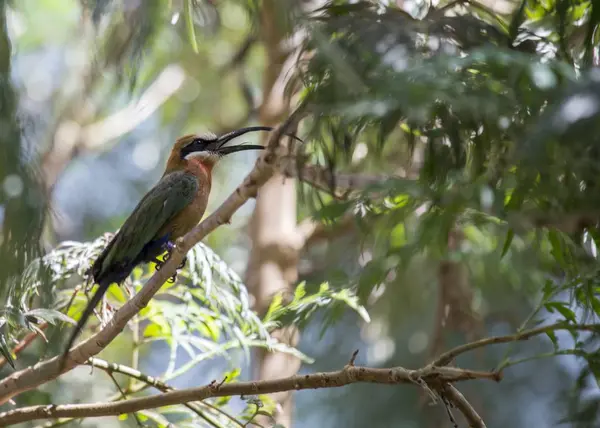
[206, 149]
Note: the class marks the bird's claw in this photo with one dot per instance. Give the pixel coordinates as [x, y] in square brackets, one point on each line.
[183, 263]
[167, 257]
[159, 263]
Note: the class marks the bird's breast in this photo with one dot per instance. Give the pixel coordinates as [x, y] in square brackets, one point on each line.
[191, 215]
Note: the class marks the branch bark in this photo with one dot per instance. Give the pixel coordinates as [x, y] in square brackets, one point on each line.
[435, 378]
[462, 404]
[348, 375]
[447, 357]
[264, 168]
[135, 374]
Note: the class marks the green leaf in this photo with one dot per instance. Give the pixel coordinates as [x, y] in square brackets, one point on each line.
[557, 248]
[509, 238]
[189, 24]
[595, 305]
[116, 292]
[333, 210]
[352, 301]
[373, 274]
[50, 316]
[5, 351]
[553, 338]
[300, 291]
[563, 309]
[275, 306]
[550, 289]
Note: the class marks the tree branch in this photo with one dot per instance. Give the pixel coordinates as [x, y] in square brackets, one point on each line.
[462, 404]
[134, 374]
[348, 375]
[264, 168]
[447, 357]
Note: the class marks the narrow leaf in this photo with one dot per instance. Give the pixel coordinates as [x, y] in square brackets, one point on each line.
[509, 238]
[189, 23]
[50, 316]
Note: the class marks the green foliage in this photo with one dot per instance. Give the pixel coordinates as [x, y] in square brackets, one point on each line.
[302, 306]
[506, 131]
[502, 108]
[22, 204]
[501, 113]
[205, 314]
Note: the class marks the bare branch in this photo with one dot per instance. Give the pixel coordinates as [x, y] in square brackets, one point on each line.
[134, 374]
[462, 404]
[264, 168]
[447, 357]
[346, 376]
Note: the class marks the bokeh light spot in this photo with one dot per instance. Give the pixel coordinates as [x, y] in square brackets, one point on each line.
[13, 185]
[418, 342]
[146, 155]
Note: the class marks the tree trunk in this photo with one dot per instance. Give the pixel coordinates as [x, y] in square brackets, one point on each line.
[272, 267]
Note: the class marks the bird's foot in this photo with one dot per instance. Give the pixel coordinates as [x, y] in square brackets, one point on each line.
[183, 263]
[170, 247]
[167, 257]
[159, 265]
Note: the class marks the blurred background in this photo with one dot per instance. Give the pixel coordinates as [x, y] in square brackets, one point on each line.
[455, 196]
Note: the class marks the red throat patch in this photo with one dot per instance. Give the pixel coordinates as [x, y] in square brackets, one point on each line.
[199, 168]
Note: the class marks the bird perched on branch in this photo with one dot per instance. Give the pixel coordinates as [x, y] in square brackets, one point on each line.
[168, 211]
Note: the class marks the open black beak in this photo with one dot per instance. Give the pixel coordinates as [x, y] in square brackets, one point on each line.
[216, 146]
[224, 139]
[228, 150]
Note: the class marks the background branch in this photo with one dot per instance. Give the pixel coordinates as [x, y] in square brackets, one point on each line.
[447, 357]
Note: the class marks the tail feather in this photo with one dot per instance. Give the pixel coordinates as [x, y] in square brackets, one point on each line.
[96, 298]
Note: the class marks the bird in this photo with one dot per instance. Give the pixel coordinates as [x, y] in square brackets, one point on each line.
[168, 211]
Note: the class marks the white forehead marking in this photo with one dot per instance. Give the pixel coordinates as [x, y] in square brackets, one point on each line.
[208, 136]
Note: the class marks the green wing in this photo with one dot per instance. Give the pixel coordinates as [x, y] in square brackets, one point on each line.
[163, 202]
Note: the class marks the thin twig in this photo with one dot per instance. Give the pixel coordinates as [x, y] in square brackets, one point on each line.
[133, 373]
[507, 362]
[524, 324]
[447, 357]
[112, 376]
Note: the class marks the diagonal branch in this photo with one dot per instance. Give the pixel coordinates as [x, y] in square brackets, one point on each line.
[462, 404]
[447, 357]
[348, 375]
[264, 168]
